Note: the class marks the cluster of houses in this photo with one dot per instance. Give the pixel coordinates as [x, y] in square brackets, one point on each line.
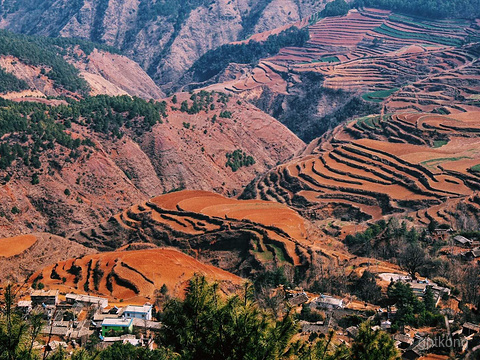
[413, 345]
[74, 320]
[472, 251]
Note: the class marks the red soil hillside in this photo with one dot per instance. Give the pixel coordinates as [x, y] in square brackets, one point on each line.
[422, 165]
[113, 74]
[371, 50]
[185, 151]
[132, 275]
[16, 245]
[238, 236]
[22, 255]
[106, 73]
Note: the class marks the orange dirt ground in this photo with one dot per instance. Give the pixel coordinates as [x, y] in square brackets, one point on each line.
[134, 275]
[16, 245]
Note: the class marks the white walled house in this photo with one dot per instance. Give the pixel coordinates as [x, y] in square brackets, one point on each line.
[138, 312]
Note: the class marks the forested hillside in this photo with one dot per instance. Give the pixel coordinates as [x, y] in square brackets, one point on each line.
[46, 53]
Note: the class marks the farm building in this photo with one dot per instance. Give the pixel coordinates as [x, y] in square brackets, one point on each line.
[469, 328]
[48, 297]
[146, 324]
[459, 239]
[297, 299]
[139, 312]
[87, 300]
[327, 302]
[117, 326]
[472, 254]
[403, 341]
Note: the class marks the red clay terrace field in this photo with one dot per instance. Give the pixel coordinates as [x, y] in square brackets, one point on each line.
[419, 165]
[409, 63]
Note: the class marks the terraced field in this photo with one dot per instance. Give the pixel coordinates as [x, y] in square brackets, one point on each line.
[421, 65]
[419, 165]
[237, 236]
[132, 275]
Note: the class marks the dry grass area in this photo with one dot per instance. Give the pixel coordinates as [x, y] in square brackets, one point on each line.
[16, 245]
[132, 275]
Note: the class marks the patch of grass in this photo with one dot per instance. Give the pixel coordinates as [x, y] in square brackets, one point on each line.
[433, 162]
[386, 30]
[378, 96]
[475, 168]
[369, 121]
[327, 59]
[264, 255]
[439, 143]
[278, 252]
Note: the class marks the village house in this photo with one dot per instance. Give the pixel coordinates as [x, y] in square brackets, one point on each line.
[469, 329]
[296, 299]
[403, 341]
[117, 326]
[44, 297]
[87, 300]
[24, 306]
[327, 302]
[461, 240]
[139, 312]
[318, 327]
[472, 254]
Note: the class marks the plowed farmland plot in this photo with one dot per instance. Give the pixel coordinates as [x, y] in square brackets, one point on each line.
[132, 275]
[431, 161]
[390, 58]
[16, 245]
[236, 235]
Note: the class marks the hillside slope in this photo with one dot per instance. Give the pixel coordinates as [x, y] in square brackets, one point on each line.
[353, 64]
[165, 37]
[242, 237]
[33, 66]
[423, 166]
[135, 276]
[102, 155]
[29, 253]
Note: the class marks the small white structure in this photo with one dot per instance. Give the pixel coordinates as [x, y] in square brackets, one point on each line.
[327, 302]
[87, 300]
[25, 306]
[138, 312]
[386, 325]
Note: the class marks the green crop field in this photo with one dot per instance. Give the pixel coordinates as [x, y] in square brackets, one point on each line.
[378, 96]
[386, 30]
[439, 143]
[475, 168]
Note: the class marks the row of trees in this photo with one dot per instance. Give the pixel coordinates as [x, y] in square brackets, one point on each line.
[207, 326]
